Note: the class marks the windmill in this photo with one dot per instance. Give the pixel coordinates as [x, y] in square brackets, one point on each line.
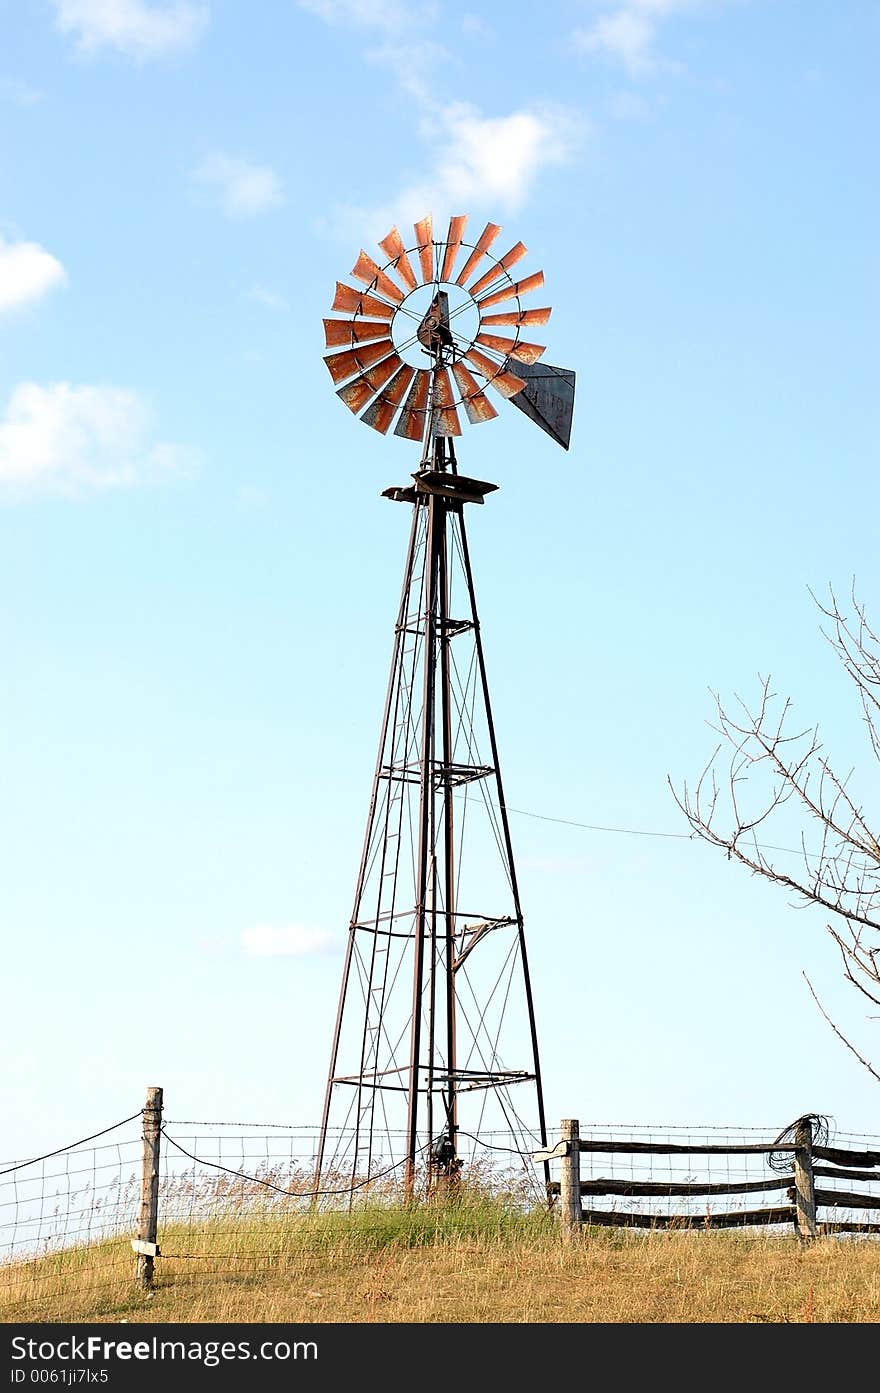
[435, 1047]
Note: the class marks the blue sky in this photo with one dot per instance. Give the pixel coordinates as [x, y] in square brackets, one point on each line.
[199, 578]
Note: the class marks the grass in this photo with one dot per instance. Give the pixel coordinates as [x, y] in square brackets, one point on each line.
[473, 1261]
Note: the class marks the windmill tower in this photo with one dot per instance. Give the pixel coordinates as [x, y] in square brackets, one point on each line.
[435, 1048]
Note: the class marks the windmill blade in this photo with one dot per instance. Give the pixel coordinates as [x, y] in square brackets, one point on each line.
[424, 234]
[344, 365]
[351, 331]
[475, 402]
[366, 270]
[358, 392]
[514, 348]
[446, 420]
[487, 237]
[518, 317]
[384, 408]
[412, 418]
[497, 375]
[547, 399]
[453, 245]
[509, 259]
[508, 292]
[351, 301]
[393, 247]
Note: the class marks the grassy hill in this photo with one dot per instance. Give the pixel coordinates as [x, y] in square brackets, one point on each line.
[467, 1262]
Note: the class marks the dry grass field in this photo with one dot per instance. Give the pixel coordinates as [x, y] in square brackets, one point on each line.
[466, 1263]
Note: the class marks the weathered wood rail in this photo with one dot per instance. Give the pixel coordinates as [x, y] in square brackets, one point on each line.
[804, 1199]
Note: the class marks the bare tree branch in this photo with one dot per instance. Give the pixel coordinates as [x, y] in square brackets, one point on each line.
[774, 774]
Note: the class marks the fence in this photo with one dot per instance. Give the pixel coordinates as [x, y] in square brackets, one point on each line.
[150, 1190]
[788, 1163]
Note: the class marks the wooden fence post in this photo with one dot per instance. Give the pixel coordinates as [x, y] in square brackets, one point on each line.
[570, 1181]
[145, 1245]
[804, 1190]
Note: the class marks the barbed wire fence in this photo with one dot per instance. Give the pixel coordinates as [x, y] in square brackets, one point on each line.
[227, 1192]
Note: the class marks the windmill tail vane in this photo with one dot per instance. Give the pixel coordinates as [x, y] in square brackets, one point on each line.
[456, 303]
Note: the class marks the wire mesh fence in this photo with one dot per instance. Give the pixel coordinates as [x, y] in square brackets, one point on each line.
[230, 1193]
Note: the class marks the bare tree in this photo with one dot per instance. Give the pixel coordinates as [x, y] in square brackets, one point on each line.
[763, 775]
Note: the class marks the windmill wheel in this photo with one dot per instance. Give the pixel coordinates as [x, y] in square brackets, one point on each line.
[428, 311]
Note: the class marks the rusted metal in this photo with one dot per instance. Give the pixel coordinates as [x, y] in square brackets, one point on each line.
[366, 270]
[341, 366]
[504, 263]
[425, 245]
[548, 399]
[496, 374]
[384, 408]
[351, 331]
[358, 392]
[486, 238]
[475, 402]
[412, 418]
[351, 301]
[507, 292]
[453, 243]
[518, 317]
[434, 333]
[446, 420]
[393, 247]
[514, 348]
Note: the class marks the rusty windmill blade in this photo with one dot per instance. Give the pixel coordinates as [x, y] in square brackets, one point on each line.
[412, 418]
[425, 245]
[384, 408]
[366, 270]
[394, 249]
[351, 331]
[487, 237]
[519, 318]
[446, 416]
[357, 393]
[453, 245]
[343, 365]
[509, 292]
[513, 348]
[509, 259]
[350, 301]
[496, 374]
[475, 402]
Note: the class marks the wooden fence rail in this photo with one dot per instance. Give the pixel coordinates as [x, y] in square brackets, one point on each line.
[798, 1183]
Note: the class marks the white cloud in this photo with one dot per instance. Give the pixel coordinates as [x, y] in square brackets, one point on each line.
[293, 941]
[473, 158]
[627, 33]
[27, 272]
[134, 27]
[243, 189]
[67, 439]
[477, 162]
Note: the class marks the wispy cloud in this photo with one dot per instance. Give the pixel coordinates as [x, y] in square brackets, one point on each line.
[242, 189]
[387, 16]
[19, 93]
[478, 161]
[264, 296]
[27, 273]
[291, 941]
[133, 27]
[626, 33]
[68, 439]
[473, 158]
